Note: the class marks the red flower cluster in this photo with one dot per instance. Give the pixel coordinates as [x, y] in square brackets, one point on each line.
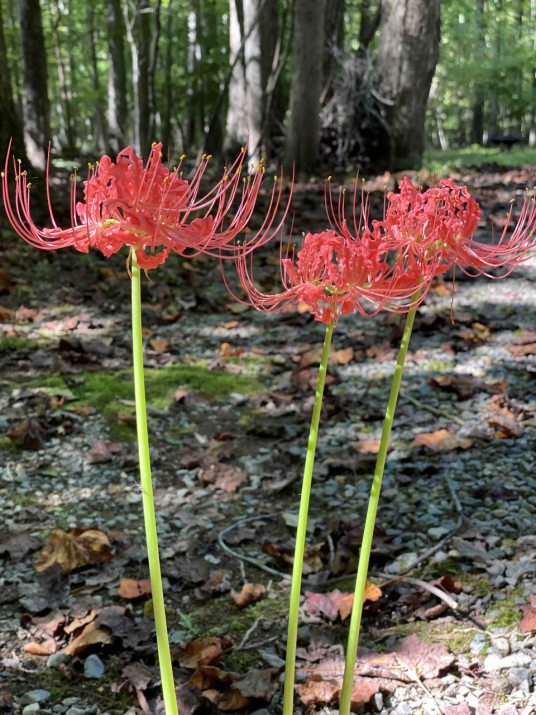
[127, 203]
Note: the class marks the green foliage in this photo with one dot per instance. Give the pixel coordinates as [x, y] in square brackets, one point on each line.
[444, 163]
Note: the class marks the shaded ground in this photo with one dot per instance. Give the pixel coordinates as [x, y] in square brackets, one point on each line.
[230, 396]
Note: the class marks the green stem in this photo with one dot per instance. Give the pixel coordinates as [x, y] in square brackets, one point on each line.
[288, 698]
[164, 656]
[364, 556]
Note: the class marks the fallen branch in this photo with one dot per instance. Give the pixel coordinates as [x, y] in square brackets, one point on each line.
[434, 410]
[242, 557]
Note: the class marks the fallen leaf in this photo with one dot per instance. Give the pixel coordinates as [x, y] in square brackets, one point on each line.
[204, 651]
[130, 588]
[138, 675]
[47, 647]
[250, 593]
[367, 446]
[427, 660]
[506, 423]
[229, 479]
[522, 350]
[159, 345]
[461, 709]
[218, 583]
[91, 635]
[442, 440]
[180, 395]
[28, 434]
[70, 552]
[372, 593]
[20, 545]
[320, 691]
[528, 622]
[449, 583]
[98, 454]
[77, 623]
[336, 603]
[126, 418]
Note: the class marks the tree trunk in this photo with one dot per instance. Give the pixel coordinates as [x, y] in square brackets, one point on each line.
[153, 60]
[237, 124]
[532, 134]
[407, 56]
[253, 76]
[166, 129]
[101, 134]
[67, 115]
[303, 130]
[370, 20]
[35, 91]
[334, 30]
[10, 128]
[477, 126]
[144, 54]
[117, 82]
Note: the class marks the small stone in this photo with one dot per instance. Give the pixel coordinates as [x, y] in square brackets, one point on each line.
[477, 646]
[516, 660]
[70, 701]
[57, 659]
[437, 532]
[502, 645]
[378, 702]
[35, 696]
[94, 667]
[520, 677]
[404, 709]
[32, 708]
[59, 709]
[75, 711]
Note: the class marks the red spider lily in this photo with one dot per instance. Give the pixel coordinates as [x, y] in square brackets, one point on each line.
[435, 229]
[127, 203]
[334, 273]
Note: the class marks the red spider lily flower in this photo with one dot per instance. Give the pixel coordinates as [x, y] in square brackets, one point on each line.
[127, 203]
[333, 274]
[435, 229]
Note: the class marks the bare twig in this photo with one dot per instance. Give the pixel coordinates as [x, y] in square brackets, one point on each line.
[413, 675]
[242, 557]
[433, 410]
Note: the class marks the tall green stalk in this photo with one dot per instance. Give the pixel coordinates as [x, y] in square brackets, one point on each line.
[288, 697]
[364, 556]
[164, 656]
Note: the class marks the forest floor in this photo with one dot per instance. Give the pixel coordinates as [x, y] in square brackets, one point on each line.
[230, 395]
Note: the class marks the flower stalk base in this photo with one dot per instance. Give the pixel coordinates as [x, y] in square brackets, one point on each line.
[288, 697]
[364, 556]
[164, 656]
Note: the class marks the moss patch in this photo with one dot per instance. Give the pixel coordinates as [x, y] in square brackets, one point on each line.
[103, 390]
[13, 343]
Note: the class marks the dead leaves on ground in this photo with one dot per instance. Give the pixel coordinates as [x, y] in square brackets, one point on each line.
[74, 549]
[410, 658]
[231, 691]
[204, 651]
[250, 593]
[335, 603]
[131, 589]
[442, 440]
[528, 622]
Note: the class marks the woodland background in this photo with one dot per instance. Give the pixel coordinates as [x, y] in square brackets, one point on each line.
[344, 82]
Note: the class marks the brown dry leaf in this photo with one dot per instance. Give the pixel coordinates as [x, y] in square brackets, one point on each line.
[442, 440]
[528, 622]
[324, 604]
[98, 454]
[343, 357]
[50, 623]
[372, 593]
[126, 418]
[427, 660]
[449, 583]
[72, 552]
[506, 423]
[159, 345]
[80, 622]
[27, 434]
[91, 635]
[180, 395]
[47, 647]
[250, 593]
[204, 651]
[229, 478]
[138, 674]
[367, 446]
[522, 350]
[130, 589]
[318, 691]
[5, 313]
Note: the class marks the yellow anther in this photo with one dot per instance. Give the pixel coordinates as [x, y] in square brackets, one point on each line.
[242, 150]
[3, 175]
[153, 144]
[329, 178]
[20, 162]
[183, 157]
[160, 154]
[24, 173]
[209, 157]
[261, 161]
[75, 168]
[97, 163]
[203, 157]
[511, 201]
[28, 185]
[166, 178]
[275, 178]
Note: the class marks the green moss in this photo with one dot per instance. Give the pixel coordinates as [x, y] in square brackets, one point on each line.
[6, 443]
[444, 163]
[104, 390]
[13, 343]
[436, 366]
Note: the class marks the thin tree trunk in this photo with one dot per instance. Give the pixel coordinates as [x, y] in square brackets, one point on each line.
[532, 134]
[237, 124]
[66, 94]
[370, 21]
[153, 61]
[303, 130]
[477, 129]
[144, 55]
[117, 81]
[408, 51]
[166, 131]
[35, 93]
[253, 76]
[101, 134]
[334, 29]
[129, 24]
[10, 126]
[16, 85]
